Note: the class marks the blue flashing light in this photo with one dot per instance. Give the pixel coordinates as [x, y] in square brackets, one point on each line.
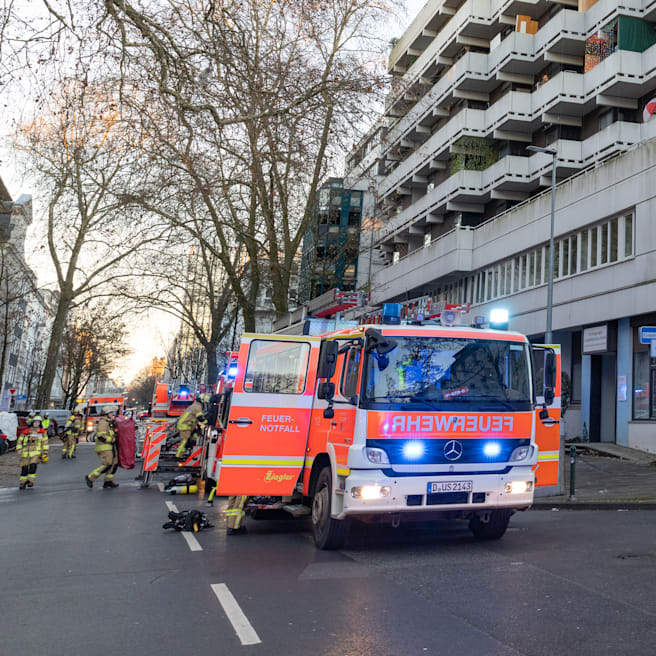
[413, 450]
[448, 317]
[392, 313]
[492, 449]
[232, 371]
[499, 318]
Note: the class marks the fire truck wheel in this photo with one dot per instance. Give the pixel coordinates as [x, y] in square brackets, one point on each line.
[494, 528]
[328, 533]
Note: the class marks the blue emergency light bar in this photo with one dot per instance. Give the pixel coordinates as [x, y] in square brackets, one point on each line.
[391, 313]
[232, 370]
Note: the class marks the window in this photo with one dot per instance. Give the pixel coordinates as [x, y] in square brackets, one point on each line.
[565, 243]
[584, 250]
[538, 266]
[351, 373]
[604, 243]
[556, 267]
[594, 256]
[628, 235]
[516, 276]
[276, 367]
[613, 240]
[573, 253]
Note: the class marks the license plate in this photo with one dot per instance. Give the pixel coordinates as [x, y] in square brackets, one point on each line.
[450, 486]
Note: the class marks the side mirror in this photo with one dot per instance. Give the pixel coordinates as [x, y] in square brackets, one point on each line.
[550, 370]
[379, 343]
[328, 359]
[326, 391]
[328, 413]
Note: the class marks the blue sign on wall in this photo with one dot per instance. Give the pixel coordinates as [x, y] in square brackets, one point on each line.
[647, 334]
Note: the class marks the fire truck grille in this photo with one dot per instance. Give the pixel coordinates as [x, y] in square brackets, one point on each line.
[441, 498]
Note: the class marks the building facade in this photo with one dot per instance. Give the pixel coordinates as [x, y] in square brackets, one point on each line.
[331, 242]
[464, 208]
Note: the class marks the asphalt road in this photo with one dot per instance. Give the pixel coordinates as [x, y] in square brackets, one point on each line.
[92, 571]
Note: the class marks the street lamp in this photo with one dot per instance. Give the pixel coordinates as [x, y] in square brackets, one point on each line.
[550, 274]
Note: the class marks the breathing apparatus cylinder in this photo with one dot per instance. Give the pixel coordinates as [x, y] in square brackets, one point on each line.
[183, 489]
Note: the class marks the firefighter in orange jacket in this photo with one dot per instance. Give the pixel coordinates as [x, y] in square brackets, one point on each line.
[32, 447]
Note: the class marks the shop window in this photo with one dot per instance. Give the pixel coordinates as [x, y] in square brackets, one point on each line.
[644, 378]
[576, 369]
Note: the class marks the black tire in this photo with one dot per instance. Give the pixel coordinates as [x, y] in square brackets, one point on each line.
[4, 446]
[328, 533]
[493, 529]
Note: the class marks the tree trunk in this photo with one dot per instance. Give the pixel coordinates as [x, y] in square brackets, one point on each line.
[52, 357]
[212, 369]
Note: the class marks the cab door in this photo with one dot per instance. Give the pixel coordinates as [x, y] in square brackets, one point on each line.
[267, 431]
[547, 431]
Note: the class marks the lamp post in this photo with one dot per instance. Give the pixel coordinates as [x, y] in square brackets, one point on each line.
[550, 274]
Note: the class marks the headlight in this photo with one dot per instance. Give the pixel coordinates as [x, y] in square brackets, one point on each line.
[520, 453]
[370, 492]
[377, 456]
[519, 487]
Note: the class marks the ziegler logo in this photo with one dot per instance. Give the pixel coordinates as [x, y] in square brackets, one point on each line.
[270, 476]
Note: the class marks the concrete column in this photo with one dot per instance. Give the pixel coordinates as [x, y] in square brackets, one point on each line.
[586, 366]
[624, 368]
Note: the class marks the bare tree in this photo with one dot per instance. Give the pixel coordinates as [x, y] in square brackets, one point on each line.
[91, 346]
[88, 159]
[255, 96]
[188, 282]
[141, 388]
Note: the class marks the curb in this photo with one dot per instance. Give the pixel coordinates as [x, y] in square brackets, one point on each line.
[595, 505]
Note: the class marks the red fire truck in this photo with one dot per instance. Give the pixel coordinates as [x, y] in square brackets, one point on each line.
[393, 422]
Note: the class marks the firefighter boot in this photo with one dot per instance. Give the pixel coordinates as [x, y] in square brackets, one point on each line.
[236, 531]
[30, 483]
[88, 481]
[22, 485]
[109, 484]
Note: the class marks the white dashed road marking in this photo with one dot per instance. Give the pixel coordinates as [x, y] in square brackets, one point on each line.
[243, 628]
[190, 538]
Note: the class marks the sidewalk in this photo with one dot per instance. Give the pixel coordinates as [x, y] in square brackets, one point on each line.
[607, 477]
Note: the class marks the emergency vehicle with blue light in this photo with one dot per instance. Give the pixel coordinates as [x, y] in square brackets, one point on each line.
[394, 421]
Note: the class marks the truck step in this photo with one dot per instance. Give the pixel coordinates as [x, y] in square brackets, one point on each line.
[297, 510]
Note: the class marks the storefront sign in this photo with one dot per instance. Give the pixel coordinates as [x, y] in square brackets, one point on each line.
[595, 339]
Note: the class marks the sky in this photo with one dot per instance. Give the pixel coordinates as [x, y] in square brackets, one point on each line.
[152, 334]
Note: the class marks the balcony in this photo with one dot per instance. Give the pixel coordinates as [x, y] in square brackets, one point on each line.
[467, 122]
[450, 253]
[616, 137]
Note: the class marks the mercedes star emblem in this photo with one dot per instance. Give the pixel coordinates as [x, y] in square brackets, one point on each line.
[452, 450]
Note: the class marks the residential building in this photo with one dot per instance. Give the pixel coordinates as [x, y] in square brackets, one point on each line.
[464, 208]
[331, 241]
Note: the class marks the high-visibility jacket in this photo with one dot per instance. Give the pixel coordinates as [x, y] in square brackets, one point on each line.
[73, 425]
[191, 416]
[45, 423]
[31, 443]
[105, 436]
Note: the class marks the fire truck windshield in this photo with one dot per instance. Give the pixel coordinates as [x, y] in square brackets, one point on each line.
[449, 373]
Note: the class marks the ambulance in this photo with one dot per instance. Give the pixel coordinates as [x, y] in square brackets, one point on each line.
[397, 421]
[94, 409]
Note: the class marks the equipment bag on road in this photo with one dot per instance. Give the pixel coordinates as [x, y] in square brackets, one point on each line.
[187, 520]
[125, 441]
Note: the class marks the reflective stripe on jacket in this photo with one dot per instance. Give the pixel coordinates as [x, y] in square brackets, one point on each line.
[190, 417]
[32, 444]
[104, 431]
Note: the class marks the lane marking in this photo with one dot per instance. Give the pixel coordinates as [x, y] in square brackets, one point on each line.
[160, 486]
[190, 538]
[243, 628]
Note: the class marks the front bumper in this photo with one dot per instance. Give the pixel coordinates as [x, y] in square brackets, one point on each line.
[408, 488]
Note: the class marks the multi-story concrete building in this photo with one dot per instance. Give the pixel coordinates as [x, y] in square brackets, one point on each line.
[331, 241]
[464, 208]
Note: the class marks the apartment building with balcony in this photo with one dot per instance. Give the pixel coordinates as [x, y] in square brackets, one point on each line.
[463, 208]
